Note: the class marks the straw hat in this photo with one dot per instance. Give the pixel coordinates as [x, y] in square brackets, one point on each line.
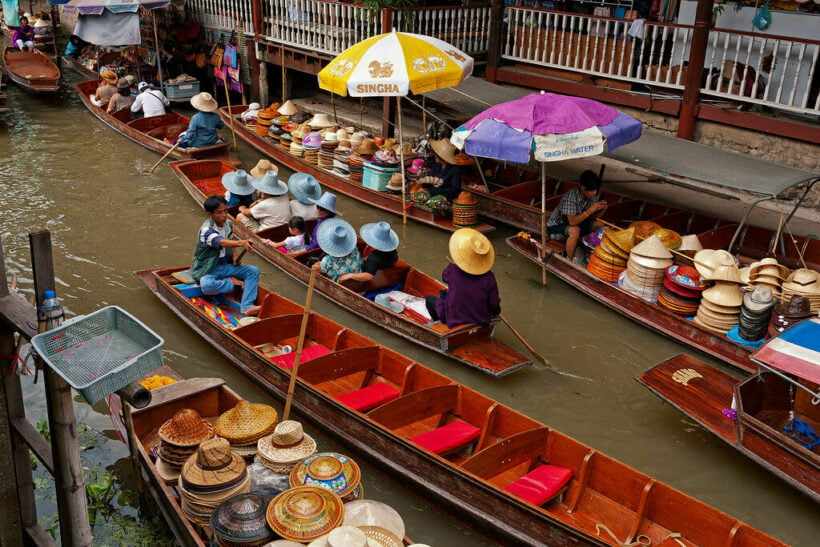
[644, 228]
[803, 281]
[213, 465]
[471, 251]
[363, 513]
[380, 236]
[301, 117]
[321, 120]
[343, 536]
[445, 150]
[270, 184]
[366, 148]
[720, 311]
[305, 188]
[622, 239]
[342, 134]
[300, 131]
[651, 247]
[708, 259]
[386, 156]
[204, 102]
[246, 421]
[395, 183]
[330, 137]
[327, 202]
[305, 513]
[356, 139]
[262, 167]
[724, 294]
[288, 109]
[725, 273]
[653, 263]
[336, 237]
[330, 470]
[241, 519]
[608, 247]
[669, 238]
[186, 428]
[759, 300]
[769, 267]
[690, 243]
[109, 76]
[287, 444]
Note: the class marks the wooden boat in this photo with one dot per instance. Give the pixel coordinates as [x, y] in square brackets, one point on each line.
[469, 344]
[764, 402]
[151, 132]
[32, 71]
[92, 73]
[456, 444]
[382, 200]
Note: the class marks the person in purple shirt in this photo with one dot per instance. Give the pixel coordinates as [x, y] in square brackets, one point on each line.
[23, 36]
[472, 291]
[325, 209]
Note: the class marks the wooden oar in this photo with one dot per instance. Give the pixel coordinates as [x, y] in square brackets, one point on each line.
[168, 153]
[305, 316]
[524, 341]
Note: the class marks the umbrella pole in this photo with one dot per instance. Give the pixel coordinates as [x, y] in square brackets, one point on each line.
[401, 164]
[300, 344]
[543, 225]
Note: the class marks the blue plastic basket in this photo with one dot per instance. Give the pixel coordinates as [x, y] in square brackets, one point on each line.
[376, 176]
[99, 353]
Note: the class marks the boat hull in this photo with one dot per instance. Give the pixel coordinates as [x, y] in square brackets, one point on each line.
[34, 72]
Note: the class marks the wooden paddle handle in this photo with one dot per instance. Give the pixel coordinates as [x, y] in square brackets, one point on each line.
[300, 344]
[168, 153]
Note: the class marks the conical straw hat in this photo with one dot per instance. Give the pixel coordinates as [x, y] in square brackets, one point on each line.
[725, 273]
[803, 281]
[708, 259]
[768, 266]
[690, 243]
[724, 293]
[623, 239]
[612, 249]
[373, 513]
[305, 513]
[214, 465]
[246, 421]
[669, 238]
[471, 251]
[288, 109]
[330, 470]
[651, 247]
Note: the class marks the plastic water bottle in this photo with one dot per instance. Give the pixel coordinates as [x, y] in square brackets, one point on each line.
[51, 312]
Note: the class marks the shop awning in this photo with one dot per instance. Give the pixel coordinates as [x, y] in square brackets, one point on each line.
[96, 7]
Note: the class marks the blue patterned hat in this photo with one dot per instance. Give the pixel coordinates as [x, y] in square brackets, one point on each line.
[304, 188]
[327, 202]
[380, 236]
[270, 184]
[336, 237]
[236, 182]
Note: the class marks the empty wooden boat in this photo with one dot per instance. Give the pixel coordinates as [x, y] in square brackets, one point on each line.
[31, 70]
[469, 344]
[154, 132]
[766, 404]
[384, 201]
[524, 481]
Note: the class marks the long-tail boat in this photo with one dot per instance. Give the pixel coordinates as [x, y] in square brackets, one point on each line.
[383, 200]
[486, 462]
[762, 423]
[31, 70]
[469, 344]
[154, 132]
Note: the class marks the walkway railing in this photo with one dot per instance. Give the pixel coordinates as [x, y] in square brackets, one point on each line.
[467, 28]
[223, 14]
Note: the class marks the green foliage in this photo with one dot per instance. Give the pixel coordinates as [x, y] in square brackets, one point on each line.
[42, 429]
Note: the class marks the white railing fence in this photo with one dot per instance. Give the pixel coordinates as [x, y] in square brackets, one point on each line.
[467, 28]
[223, 14]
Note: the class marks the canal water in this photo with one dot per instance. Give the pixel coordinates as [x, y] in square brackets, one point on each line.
[62, 170]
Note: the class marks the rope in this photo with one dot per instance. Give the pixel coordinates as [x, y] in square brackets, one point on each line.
[641, 540]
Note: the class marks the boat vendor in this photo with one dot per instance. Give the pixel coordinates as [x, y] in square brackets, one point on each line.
[122, 98]
[107, 89]
[306, 190]
[23, 36]
[577, 213]
[204, 124]
[472, 291]
[337, 239]
[271, 209]
[384, 242]
[443, 183]
[213, 266]
[325, 210]
[150, 101]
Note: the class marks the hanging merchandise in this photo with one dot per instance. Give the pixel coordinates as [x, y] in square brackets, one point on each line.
[763, 18]
[217, 57]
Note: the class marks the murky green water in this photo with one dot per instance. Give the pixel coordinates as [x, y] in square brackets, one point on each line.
[62, 170]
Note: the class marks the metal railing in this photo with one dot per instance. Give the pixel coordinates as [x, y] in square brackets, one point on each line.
[223, 14]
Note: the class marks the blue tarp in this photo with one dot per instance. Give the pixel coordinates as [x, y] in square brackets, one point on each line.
[10, 14]
[96, 7]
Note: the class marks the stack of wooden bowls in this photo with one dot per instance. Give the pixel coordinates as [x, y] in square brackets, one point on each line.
[719, 308]
[610, 257]
[803, 282]
[646, 268]
[264, 121]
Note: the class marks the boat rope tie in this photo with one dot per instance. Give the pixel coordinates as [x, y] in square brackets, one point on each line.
[640, 540]
[803, 433]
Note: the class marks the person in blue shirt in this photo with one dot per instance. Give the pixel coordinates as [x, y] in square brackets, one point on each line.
[204, 124]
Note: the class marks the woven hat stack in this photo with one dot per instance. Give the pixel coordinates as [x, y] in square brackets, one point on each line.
[670, 238]
[644, 228]
[329, 144]
[681, 290]
[646, 268]
[335, 472]
[803, 282]
[305, 513]
[240, 521]
[285, 447]
[212, 475]
[719, 308]
[768, 273]
[465, 214]
[689, 246]
[264, 121]
[355, 162]
[706, 260]
[245, 424]
[179, 438]
[341, 160]
[610, 257]
[358, 536]
[755, 313]
[312, 143]
[786, 315]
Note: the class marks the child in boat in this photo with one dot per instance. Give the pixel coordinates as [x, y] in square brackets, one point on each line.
[122, 99]
[337, 239]
[23, 36]
[577, 214]
[325, 210]
[472, 291]
[238, 188]
[204, 124]
[272, 209]
[384, 242]
[298, 238]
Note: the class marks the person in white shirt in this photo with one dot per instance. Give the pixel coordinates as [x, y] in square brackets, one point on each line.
[271, 209]
[151, 101]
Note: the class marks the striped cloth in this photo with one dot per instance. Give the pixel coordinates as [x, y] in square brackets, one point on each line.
[796, 351]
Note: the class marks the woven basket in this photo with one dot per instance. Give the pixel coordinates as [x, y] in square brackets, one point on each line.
[246, 422]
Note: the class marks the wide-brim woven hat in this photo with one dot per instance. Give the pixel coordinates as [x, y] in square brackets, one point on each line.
[623, 239]
[724, 293]
[305, 188]
[186, 428]
[237, 182]
[204, 102]
[109, 76]
[356, 139]
[336, 237]
[262, 167]
[300, 131]
[651, 247]
[363, 513]
[246, 421]
[471, 251]
[758, 300]
[287, 444]
[343, 536]
[312, 140]
[367, 147]
[241, 519]
[686, 277]
[653, 263]
[444, 149]
[395, 183]
[327, 202]
[270, 184]
[609, 248]
[305, 513]
[644, 228]
[768, 266]
[707, 260]
[213, 465]
[288, 109]
[330, 470]
[690, 243]
[380, 236]
[670, 238]
[321, 120]
[725, 273]
[803, 281]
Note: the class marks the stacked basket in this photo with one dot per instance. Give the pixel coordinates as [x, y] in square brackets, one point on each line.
[681, 290]
[287, 446]
[179, 438]
[245, 424]
[646, 268]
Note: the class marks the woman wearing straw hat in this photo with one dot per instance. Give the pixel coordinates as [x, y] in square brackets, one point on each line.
[472, 291]
[306, 190]
[271, 209]
[107, 89]
[337, 238]
[204, 124]
[122, 99]
[325, 210]
[384, 242]
[443, 183]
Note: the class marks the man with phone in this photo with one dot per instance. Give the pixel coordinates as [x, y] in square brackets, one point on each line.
[577, 214]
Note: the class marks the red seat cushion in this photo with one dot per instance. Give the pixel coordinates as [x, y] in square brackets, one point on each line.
[311, 352]
[541, 484]
[369, 397]
[448, 437]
